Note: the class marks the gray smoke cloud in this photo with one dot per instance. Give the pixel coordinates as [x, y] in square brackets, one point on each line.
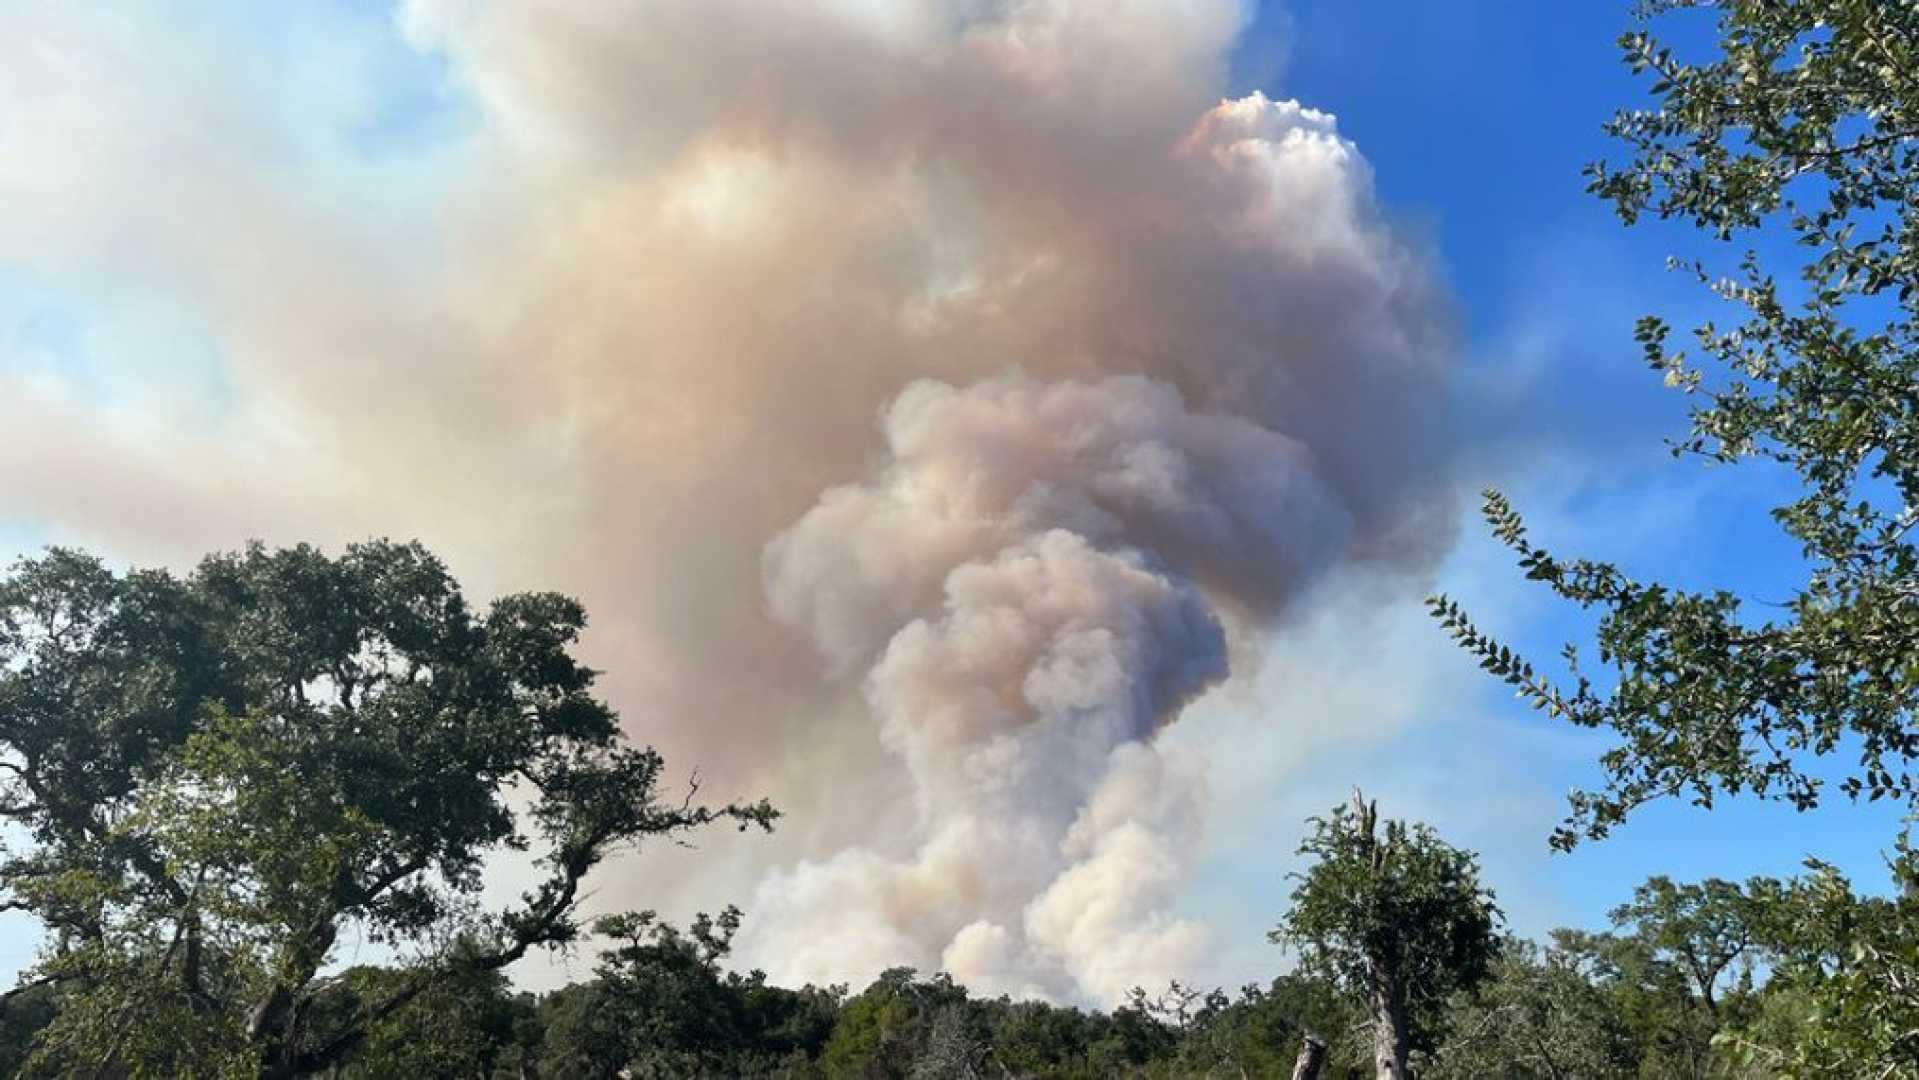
[1149, 364]
[1024, 582]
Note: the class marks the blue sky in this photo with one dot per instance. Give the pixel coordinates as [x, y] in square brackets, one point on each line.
[1475, 119]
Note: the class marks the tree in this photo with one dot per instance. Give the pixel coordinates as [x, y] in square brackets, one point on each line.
[22, 1017]
[1399, 921]
[1262, 1032]
[1803, 126]
[1038, 1039]
[1312, 1058]
[663, 1006]
[1540, 1015]
[459, 1029]
[1849, 965]
[885, 1030]
[581, 1034]
[1702, 929]
[219, 776]
[1680, 966]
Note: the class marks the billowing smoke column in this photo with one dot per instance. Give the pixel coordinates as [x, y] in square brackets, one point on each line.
[617, 319]
[1024, 585]
[1038, 578]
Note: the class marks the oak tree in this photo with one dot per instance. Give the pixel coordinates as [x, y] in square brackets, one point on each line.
[217, 778]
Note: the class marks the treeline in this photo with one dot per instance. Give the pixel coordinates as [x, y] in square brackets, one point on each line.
[1718, 979]
[1692, 981]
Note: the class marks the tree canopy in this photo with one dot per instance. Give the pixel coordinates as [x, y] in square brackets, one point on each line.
[1397, 919]
[220, 775]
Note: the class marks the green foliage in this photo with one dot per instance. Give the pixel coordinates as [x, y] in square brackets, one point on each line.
[23, 1014]
[581, 1034]
[679, 1013]
[1260, 1032]
[1701, 930]
[1033, 1038]
[879, 1029]
[1676, 989]
[1804, 125]
[1541, 1014]
[1399, 921]
[220, 775]
[1037, 1039]
[1681, 963]
[1695, 981]
[906, 1027]
[1848, 967]
[461, 1028]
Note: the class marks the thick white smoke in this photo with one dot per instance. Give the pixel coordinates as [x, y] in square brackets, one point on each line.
[1041, 574]
[1033, 584]
[1023, 585]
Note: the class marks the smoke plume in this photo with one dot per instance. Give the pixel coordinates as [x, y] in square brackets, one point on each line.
[1025, 584]
[619, 319]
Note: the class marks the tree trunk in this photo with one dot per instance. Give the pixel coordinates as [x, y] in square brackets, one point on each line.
[1389, 1033]
[1387, 998]
[1312, 1058]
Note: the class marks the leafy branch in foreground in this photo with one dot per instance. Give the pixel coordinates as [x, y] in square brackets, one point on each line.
[1803, 126]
